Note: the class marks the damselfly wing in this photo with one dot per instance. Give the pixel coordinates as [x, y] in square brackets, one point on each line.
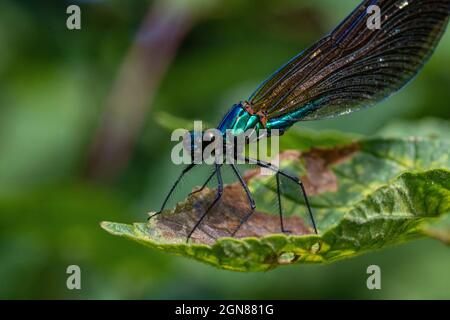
[357, 64]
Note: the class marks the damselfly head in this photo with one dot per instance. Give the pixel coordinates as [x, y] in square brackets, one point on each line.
[197, 141]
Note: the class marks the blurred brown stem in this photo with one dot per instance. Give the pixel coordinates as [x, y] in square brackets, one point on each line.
[129, 101]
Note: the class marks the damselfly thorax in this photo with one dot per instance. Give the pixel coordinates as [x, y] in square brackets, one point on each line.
[240, 126]
[243, 117]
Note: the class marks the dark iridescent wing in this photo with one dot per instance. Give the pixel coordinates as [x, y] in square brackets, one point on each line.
[355, 66]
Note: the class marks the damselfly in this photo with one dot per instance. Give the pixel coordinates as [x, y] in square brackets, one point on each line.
[355, 66]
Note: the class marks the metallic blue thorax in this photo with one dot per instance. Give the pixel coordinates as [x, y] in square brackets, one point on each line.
[239, 120]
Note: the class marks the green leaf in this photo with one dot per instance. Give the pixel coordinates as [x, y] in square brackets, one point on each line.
[365, 195]
[438, 228]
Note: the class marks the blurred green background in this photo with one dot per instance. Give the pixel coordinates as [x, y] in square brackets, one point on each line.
[79, 143]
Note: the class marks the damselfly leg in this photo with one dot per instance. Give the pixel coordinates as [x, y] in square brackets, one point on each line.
[206, 182]
[249, 197]
[292, 178]
[185, 170]
[220, 189]
[216, 199]
[280, 209]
